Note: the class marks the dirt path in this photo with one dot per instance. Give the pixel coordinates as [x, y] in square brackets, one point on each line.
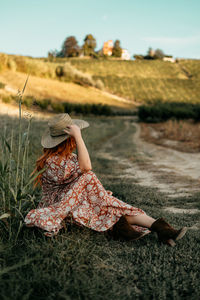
[172, 172]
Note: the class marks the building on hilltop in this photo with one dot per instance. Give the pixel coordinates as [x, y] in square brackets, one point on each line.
[125, 54]
[107, 47]
[169, 58]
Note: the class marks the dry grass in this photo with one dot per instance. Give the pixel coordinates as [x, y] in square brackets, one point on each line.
[59, 91]
[180, 135]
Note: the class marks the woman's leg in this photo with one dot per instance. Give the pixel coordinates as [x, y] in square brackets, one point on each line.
[140, 220]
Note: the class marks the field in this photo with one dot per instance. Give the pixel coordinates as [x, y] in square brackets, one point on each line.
[145, 81]
[83, 264]
[137, 82]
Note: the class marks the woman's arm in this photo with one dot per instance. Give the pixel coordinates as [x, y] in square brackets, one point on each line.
[83, 155]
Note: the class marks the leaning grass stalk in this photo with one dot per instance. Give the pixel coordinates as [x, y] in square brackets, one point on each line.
[19, 144]
[24, 155]
[20, 95]
[10, 167]
[4, 162]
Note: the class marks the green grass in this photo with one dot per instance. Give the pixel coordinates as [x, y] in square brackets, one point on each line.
[83, 264]
[143, 81]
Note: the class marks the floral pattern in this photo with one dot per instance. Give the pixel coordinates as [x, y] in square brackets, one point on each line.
[68, 192]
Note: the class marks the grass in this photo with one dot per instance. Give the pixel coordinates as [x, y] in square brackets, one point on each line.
[43, 88]
[83, 264]
[145, 81]
[142, 81]
[185, 134]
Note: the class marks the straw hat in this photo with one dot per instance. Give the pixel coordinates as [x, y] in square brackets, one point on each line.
[55, 134]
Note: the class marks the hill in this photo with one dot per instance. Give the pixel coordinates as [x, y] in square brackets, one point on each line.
[144, 80]
[139, 81]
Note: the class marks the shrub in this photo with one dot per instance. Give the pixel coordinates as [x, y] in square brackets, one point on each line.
[59, 71]
[12, 65]
[3, 61]
[85, 109]
[69, 73]
[68, 107]
[7, 99]
[2, 85]
[159, 112]
[58, 107]
[99, 84]
[44, 103]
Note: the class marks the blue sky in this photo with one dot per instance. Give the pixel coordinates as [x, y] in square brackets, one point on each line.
[33, 27]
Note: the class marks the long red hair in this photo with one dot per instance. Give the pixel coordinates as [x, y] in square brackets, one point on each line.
[64, 149]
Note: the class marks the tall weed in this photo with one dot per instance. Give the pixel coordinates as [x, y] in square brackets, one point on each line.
[15, 180]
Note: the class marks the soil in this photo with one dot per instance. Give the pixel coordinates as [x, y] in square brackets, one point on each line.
[170, 171]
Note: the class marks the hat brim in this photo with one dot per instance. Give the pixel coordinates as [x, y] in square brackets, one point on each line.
[49, 141]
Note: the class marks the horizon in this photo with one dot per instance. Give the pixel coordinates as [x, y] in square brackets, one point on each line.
[39, 27]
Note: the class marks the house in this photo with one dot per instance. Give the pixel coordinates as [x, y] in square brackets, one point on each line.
[107, 50]
[107, 47]
[169, 58]
[125, 55]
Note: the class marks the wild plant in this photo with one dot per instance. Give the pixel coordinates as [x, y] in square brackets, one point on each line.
[15, 181]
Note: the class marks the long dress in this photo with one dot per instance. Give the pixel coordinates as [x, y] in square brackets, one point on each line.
[68, 192]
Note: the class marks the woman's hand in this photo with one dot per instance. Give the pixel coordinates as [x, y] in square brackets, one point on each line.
[73, 130]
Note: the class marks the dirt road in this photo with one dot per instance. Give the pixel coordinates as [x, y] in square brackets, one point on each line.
[172, 172]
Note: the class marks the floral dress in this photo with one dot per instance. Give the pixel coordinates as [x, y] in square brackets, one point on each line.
[68, 192]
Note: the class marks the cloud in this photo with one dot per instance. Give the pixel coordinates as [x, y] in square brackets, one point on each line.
[173, 40]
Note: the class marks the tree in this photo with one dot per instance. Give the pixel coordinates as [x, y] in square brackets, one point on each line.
[117, 50]
[150, 52]
[159, 54]
[52, 54]
[70, 47]
[89, 45]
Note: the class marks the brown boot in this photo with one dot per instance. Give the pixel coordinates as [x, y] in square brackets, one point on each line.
[124, 231]
[166, 233]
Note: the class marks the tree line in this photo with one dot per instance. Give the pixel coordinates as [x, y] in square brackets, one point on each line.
[70, 48]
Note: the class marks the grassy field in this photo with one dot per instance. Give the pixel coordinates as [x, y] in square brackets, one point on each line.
[80, 263]
[45, 88]
[141, 81]
[147, 80]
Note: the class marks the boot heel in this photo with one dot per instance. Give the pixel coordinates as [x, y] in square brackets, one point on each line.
[171, 242]
[181, 233]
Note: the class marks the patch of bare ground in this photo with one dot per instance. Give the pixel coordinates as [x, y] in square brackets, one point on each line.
[177, 210]
[170, 171]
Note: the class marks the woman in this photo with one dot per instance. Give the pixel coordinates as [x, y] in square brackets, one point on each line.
[72, 191]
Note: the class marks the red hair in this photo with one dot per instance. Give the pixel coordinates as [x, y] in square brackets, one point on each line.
[64, 149]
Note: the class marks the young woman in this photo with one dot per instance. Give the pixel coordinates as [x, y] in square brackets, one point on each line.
[72, 191]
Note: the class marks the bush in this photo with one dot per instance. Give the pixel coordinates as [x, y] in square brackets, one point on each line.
[159, 112]
[43, 104]
[11, 65]
[85, 109]
[69, 73]
[28, 101]
[3, 61]
[59, 71]
[99, 84]
[2, 85]
[58, 107]
[7, 99]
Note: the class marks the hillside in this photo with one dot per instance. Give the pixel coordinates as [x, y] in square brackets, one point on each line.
[135, 82]
[147, 80]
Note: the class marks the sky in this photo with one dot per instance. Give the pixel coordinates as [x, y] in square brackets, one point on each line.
[34, 27]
